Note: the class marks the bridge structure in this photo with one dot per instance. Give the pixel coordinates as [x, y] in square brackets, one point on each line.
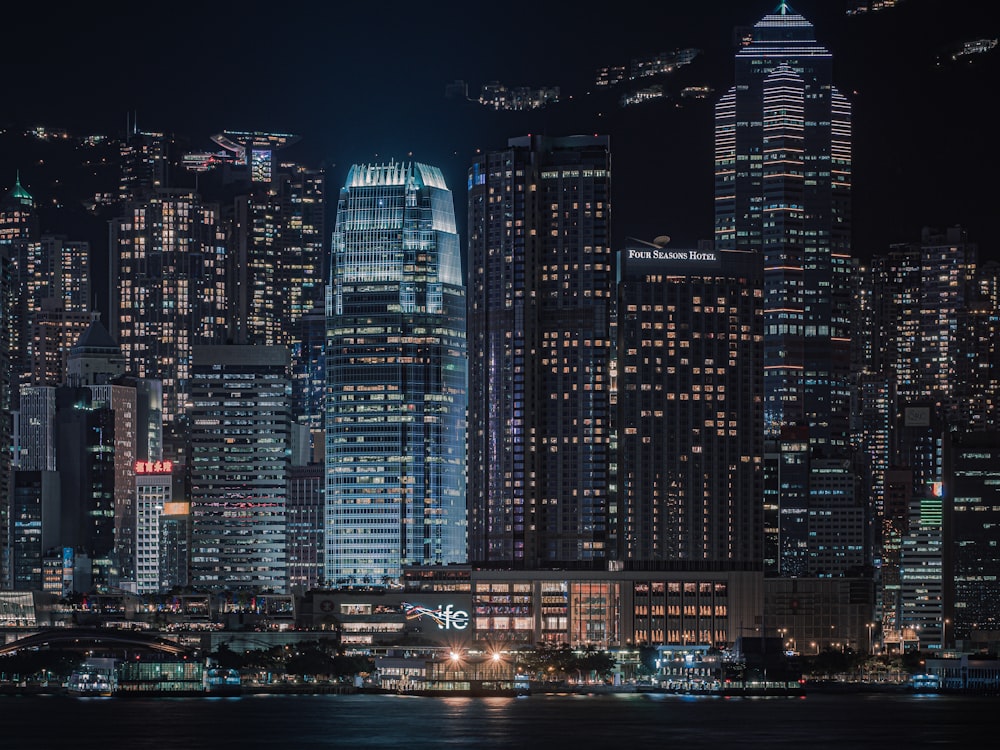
[97, 639]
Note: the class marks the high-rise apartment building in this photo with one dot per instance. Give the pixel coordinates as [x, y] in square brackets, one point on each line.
[278, 255]
[396, 377]
[689, 416]
[927, 299]
[541, 290]
[239, 462]
[147, 163]
[169, 262]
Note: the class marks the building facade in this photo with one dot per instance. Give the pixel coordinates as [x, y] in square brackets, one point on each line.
[168, 255]
[541, 289]
[240, 419]
[689, 418]
[782, 189]
[396, 377]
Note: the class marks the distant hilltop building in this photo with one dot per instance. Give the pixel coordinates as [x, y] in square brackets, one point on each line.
[253, 149]
[642, 95]
[975, 47]
[644, 67]
[856, 7]
[497, 95]
[696, 92]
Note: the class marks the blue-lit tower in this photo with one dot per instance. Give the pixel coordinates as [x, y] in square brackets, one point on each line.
[396, 377]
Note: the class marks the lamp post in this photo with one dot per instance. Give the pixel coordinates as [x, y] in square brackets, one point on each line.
[944, 631]
[871, 647]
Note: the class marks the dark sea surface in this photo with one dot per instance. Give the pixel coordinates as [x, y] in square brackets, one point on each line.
[539, 721]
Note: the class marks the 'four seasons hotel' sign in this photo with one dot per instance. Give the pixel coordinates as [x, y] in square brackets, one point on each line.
[700, 256]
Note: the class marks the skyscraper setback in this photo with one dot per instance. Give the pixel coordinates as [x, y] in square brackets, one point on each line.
[396, 377]
[541, 287]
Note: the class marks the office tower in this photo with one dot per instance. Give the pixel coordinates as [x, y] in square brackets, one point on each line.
[838, 520]
[53, 331]
[306, 517]
[541, 286]
[689, 417]
[58, 268]
[19, 237]
[786, 502]
[782, 189]
[169, 293]
[983, 353]
[96, 362]
[309, 377]
[239, 463]
[921, 437]
[18, 230]
[972, 523]
[396, 377]
[783, 176]
[6, 404]
[894, 527]
[85, 461]
[152, 495]
[35, 439]
[34, 525]
[175, 544]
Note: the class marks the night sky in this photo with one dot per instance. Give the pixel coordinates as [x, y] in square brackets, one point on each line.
[365, 81]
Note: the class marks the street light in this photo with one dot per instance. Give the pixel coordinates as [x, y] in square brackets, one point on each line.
[871, 647]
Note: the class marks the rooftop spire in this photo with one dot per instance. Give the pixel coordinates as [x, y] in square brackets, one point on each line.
[18, 193]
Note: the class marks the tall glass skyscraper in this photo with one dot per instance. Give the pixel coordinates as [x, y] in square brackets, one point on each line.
[396, 377]
[783, 188]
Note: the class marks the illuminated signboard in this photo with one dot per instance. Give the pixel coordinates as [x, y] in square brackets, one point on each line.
[154, 467]
[447, 618]
[660, 254]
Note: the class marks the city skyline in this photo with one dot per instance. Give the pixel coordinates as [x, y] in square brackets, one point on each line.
[916, 121]
[685, 425]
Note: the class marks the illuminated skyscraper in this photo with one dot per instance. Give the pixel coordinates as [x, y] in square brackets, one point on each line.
[690, 420]
[782, 188]
[18, 230]
[541, 289]
[239, 464]
[145, 160]
[396, 377]
[972, 521]
[168, 257]
[278, 246]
